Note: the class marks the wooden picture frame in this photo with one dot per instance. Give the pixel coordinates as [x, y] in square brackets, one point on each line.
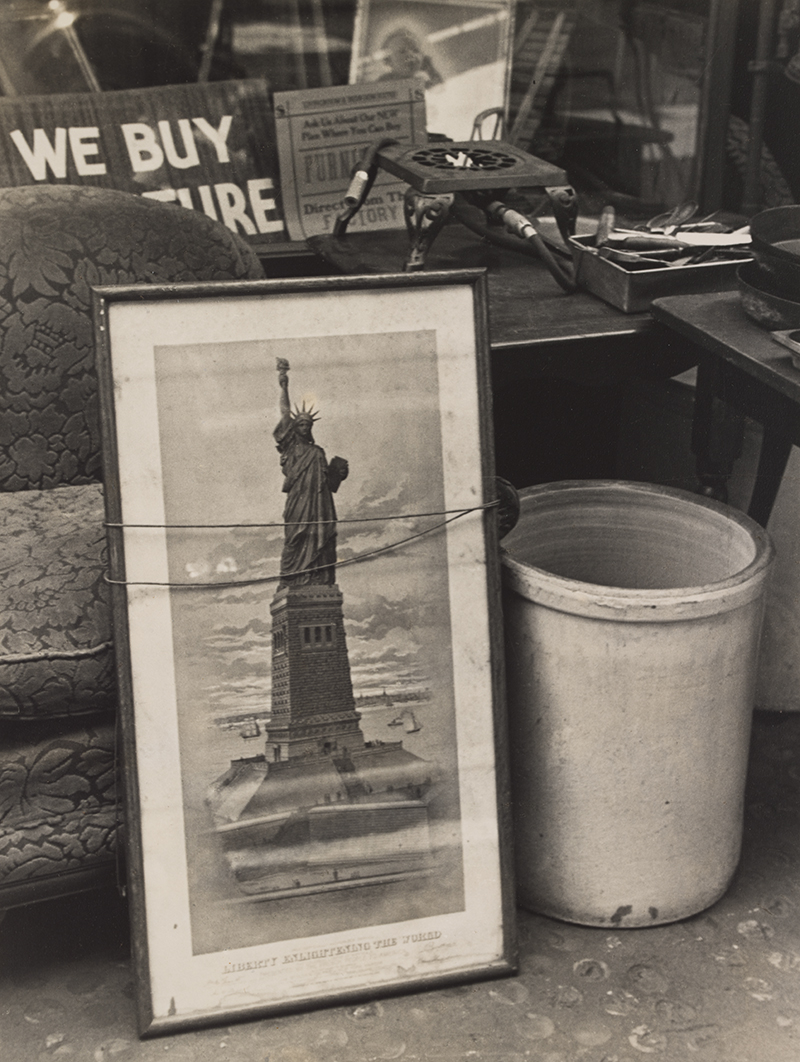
[314, 760]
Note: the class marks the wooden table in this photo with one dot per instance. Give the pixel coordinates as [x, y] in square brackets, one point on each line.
[515, 282]
[559, 361]
[741, 371]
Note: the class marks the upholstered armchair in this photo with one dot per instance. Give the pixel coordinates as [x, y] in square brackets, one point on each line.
[59, 813]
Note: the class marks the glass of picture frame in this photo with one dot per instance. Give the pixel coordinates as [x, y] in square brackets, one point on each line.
[303, 557]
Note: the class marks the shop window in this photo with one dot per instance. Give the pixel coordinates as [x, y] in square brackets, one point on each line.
[630, 97]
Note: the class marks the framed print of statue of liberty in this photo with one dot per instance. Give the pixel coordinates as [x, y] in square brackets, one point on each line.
[303, 554]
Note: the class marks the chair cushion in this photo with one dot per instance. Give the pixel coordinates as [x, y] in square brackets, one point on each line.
[56, 242]
[56, 655]
[58, 807]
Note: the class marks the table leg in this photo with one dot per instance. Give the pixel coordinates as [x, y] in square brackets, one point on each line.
[775, 450]
[717, 432]
[425, 217]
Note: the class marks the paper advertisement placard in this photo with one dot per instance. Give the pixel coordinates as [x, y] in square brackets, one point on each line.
[322, 134]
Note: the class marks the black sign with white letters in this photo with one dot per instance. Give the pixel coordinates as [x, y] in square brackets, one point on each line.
[206, 147]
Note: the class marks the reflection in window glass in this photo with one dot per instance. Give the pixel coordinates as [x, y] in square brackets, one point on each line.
[612, 91]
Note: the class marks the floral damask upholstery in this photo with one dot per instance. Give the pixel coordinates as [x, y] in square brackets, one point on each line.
[56, 242]
[58, 807]
[56, 653]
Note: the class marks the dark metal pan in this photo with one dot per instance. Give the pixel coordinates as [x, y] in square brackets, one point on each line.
[775, 235]
[761, 304]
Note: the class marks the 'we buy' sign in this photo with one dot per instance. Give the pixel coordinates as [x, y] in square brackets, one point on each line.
[206, 147]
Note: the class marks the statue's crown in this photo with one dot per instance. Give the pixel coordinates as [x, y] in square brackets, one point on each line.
[304, 413]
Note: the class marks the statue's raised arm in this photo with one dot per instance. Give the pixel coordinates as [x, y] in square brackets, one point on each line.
[282, 366]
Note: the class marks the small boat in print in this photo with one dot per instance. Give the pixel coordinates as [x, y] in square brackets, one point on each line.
[411, 723]
[407, 720]
[251, 729]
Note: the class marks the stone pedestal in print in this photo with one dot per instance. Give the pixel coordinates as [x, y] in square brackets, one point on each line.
[313, 709]
[320, 809]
